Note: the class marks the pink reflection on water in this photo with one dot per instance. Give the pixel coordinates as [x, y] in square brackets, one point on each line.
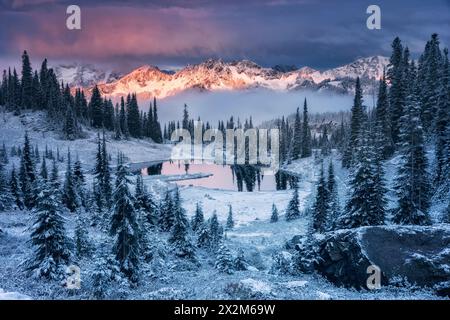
[222, 176]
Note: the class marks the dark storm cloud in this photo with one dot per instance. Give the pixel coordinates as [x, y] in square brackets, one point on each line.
[320, 34]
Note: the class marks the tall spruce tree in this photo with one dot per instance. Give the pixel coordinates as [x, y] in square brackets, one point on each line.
[296, 144]
[96, 108]
[442, 150]
[124, 226]
[413, 186]
[383, 129]
[230, 221]
[274, 216]
[321, 205]
[48, 236]
[15, 189]
[70, 197]
[355, 126]
[179, 237]
[362, 205]
[306, 133]
[198, 220]
[166, 217]
[26, 83]
[334, 205]
[395, 75]
[293, 211]
[133, 117]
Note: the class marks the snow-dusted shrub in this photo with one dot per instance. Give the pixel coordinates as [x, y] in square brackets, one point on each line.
[282, 263]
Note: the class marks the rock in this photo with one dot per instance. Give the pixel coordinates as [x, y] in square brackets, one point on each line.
[421, 255]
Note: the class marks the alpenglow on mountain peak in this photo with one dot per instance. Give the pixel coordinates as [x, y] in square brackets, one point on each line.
[149, 81]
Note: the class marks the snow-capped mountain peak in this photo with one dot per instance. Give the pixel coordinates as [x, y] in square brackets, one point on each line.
[84, 75]
[215, 74]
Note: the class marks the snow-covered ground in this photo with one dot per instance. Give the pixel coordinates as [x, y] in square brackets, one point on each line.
[253, 233]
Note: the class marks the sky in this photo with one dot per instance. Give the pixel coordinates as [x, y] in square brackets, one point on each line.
[124, 34]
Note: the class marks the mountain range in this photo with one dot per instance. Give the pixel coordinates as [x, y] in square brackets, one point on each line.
[214, 74]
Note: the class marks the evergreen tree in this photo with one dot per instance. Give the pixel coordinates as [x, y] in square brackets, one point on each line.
[239, 263]
[224, 260]
[83, 246]
[413, 187]
[230, 221]
[6, 199]
[198, 220]
[362, 208]
[133, 117]
[384, 140]
[321, 206]
[431, 84]
[26, 83]
[296, 143]
[292, 211]
[395, 74]
[274, 216]
[70, 127]
[215, 232]
[306, 134]
[355, 125]
[27, 174]
[442, 150]
[70, 197]
[335, 208]
[106, 174]
[54, 177]
[123, 119]
[79, 182]
[124, 227]
[145, 203]
[48, 236]
[179, 232]
[166, 218]
[15, 189]
[96, 108]
[43, 172]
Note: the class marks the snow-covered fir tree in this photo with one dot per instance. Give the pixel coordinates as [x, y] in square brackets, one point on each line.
[442, 150]
[124, 226]
[145, 202]
[166, 212]
[296, 143]
[215, 232]
[239, 263]
[230, 222]
[274, 216]
[198, 219]
[333, 198]
[80, 182]
[83, 245]
[69, 196]
[43, 173]
[179, 237]
[15, 189]
[48, 236]
[382, 126]
[362, 208]
[292, 210]
[306, 133]
[27, 174]
[412, 183]
[357, 119]
[224, 259]
[321, 205]
[6, 199]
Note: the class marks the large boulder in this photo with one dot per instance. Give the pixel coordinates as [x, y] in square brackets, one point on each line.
[417, 255]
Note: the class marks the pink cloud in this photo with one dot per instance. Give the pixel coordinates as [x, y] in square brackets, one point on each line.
[116, 31]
